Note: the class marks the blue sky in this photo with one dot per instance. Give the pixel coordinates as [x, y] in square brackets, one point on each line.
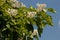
[49, 33]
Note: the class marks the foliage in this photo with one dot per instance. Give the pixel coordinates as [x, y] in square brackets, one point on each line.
[16, 20]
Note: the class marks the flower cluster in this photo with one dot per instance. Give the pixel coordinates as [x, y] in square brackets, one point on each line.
[35, 33]
[13, 0]
[31, 14]
[16, 4]
[12, 12]
[41, 7]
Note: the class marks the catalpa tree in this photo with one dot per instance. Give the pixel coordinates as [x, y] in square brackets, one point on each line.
[17, 21]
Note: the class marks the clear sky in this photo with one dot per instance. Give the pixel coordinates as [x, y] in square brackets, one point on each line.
[49, 33]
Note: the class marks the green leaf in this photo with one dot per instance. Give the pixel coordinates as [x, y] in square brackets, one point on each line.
[4, 29]
[49, 20]
[40, 30]
[8, 26]
[32, 21]
[29, 27]
[43, 24]
[29, 38]
[31, 7]
[36, 36]
[51, 10]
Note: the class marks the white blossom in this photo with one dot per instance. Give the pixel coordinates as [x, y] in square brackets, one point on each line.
[31, 14]
[22, 5]
[41, 7]
[35, 32]
[13, 0]
[12, 12]
[16, 4]
[45, 10]
[23, 34]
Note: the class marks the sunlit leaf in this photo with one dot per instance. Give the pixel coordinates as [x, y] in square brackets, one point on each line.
[4, 29]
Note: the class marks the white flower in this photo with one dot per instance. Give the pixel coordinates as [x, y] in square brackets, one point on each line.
[12, 12]
[13, 0]
[23, 34]
[41, 7]
[22, 5]
[45, 10]
[35, 32]
[17, 4]
[31, 14]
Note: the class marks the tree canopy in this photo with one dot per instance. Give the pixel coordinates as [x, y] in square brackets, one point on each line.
[17, 21]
